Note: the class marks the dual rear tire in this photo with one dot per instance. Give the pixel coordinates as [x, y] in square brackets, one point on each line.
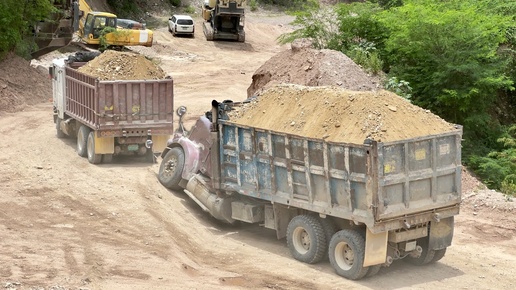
[311, 239]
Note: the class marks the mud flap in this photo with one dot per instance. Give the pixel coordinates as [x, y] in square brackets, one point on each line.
[375, 248]
[441, 234]
[104, 145]
[159, 143]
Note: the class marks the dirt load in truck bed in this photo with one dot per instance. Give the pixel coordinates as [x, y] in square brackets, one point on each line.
[116, 65]
[339, 115]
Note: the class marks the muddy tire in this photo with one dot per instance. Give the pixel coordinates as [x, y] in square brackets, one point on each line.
[346, 253]
[306, 239]
[373, 270]
[171, 168]
[329, 230]
[438, 255]
[82, 140]
[59, 133]
[92, 157]
[426, 257]
[107, 158]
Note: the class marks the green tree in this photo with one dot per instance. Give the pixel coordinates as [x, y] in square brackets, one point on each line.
[448, 52]
[498, 169]
[17, 18]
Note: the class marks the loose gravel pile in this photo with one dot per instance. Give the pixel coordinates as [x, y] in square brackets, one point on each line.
[339, 115]
[116, 65]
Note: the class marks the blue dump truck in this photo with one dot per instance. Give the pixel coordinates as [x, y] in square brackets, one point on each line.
[360, 205]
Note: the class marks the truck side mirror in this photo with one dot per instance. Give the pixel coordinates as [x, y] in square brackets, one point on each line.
[181, 111]
[51, 72]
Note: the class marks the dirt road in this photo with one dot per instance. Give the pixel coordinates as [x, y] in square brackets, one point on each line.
[67, 224]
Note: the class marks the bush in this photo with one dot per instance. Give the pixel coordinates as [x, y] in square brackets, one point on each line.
[498, 169]
[175, 3]
[254, 5]
[189, 9]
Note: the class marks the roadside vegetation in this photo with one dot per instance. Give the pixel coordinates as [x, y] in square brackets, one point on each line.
[456, 58]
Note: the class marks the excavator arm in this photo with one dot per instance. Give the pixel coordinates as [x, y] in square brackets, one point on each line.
[73, 16]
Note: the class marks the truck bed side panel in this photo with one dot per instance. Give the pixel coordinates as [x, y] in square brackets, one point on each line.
[311, 174]
[116, 105]
[370, 183]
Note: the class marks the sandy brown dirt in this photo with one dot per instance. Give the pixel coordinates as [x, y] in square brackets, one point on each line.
[304, 65]
[21, 85]
[117, 65]
[339, 115]
[67, 224]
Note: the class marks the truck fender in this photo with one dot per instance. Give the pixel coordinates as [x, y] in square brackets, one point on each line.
[191, 151]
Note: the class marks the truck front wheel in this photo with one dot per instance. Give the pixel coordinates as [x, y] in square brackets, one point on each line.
[171, 168]
[306, 239]
[92, 157]
[59, 133]
[82, 139]
[346, 253]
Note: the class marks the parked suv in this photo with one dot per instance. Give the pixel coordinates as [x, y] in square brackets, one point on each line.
[181, 24]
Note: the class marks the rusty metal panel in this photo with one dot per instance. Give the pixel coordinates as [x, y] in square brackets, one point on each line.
[370, 183]
[418, 174]
[143, 107]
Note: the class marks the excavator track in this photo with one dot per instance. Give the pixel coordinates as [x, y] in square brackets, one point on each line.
[208, 31]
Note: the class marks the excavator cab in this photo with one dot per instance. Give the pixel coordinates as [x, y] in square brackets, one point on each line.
[95, 23]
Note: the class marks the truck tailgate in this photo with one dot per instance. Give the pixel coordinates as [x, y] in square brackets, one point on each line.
[419, 174]
[114, 105]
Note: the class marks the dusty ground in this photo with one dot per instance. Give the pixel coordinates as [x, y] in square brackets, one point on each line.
[67, 224]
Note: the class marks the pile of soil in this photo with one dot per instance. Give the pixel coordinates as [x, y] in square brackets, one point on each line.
[306, 66]
[116, 65]
[339, 115]
[21, 85]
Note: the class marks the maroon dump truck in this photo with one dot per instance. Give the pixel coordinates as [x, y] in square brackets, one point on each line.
[111, 117]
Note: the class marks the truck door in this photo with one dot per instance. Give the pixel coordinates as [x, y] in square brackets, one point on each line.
[58, 87]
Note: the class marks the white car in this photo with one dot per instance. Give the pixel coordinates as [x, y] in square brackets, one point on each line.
[181, 24]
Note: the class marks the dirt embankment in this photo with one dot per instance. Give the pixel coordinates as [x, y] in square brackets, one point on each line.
[21, 85]
[304, 65]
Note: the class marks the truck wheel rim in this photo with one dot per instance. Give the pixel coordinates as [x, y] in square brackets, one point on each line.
[344, 256]
[301, 240]
[171, 166]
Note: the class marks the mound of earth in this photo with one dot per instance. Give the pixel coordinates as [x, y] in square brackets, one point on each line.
[116, 65]
[339, 115]
[306, 66]
[21, 85]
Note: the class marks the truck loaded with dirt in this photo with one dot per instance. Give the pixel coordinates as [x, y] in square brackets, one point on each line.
[330, 170]
[116, 103]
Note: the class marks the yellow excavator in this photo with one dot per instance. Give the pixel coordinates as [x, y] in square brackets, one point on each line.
[93, 28]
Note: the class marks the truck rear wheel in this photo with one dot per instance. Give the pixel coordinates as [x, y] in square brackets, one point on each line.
[427, 255]
[438, 255]
[107, 158]
[373, 270]
[329, 230]
[92, 157]
[82, 139]
[59, 133]
[306, 239]
[346, 253]
[171, 168]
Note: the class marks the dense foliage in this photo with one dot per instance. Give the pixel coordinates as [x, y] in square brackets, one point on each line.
[17, 19]
[456, 58]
